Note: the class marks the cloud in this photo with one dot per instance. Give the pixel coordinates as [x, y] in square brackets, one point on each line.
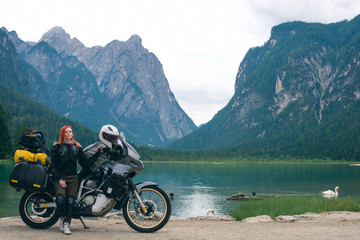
[324, 11]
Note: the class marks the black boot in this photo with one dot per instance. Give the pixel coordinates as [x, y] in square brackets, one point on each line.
[70, 205]
[60, 204]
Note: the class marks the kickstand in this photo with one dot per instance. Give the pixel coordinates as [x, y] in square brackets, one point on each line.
[86, 227]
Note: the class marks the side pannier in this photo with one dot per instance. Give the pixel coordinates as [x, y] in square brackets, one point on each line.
[29, 176]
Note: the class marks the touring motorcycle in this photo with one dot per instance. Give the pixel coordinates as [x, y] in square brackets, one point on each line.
[107, 186]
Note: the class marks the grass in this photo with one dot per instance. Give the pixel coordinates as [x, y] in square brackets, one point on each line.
[294, 205]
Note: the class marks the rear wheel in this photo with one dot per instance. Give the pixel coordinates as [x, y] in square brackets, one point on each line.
[158, 210]
[34, 211]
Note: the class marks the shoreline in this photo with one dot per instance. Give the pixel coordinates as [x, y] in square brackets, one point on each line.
[260, 218]
[309, 226]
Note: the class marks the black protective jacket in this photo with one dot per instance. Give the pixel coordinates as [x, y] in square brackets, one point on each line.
[64, 160]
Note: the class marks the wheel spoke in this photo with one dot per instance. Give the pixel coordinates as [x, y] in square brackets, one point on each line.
[157, 210]
[36, 214]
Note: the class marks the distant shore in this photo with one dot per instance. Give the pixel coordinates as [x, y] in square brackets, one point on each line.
[265, 161]
[256, 160]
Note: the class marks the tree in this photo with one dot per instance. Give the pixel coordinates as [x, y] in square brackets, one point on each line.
[5, 141]
[18, 133]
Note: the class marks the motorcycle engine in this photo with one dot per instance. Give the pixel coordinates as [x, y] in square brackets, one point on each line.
[89, 200]
[90, 183]
[93, 202]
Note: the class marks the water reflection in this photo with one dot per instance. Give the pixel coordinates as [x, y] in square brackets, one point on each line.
[199, 187]
[196, 203]
[9, 197]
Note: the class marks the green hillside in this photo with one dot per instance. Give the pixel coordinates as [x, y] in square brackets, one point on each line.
[27, 113]
[297, 95]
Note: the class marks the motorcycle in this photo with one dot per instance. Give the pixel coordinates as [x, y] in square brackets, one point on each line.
[108, 185]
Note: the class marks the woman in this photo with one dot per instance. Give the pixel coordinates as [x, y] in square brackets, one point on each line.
[64, 157]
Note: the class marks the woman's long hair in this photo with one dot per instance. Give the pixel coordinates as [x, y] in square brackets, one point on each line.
[62, 137]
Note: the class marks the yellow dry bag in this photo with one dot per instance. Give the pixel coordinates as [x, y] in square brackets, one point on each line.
[23, 155]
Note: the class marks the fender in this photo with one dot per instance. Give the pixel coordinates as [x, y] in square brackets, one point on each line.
[141, 185]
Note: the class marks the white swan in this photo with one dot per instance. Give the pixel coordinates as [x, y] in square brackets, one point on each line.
[210, 211]
[330, 194]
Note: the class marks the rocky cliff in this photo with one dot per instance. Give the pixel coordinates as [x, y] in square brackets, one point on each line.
[298, 94]
[122, 84]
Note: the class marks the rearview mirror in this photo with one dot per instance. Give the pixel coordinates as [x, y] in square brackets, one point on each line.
[122, 136]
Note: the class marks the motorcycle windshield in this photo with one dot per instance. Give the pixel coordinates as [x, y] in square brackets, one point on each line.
[132, 161]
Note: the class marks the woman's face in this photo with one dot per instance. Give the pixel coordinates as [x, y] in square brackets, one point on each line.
[68, 134]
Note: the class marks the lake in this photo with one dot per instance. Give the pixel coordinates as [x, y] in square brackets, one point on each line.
[200, 186]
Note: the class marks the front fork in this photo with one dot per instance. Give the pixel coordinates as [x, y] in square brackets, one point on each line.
[136, 194]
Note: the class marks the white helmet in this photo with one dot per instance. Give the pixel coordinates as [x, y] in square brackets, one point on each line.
[109, 135]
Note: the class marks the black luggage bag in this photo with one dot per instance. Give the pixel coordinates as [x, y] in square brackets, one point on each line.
[30, 177]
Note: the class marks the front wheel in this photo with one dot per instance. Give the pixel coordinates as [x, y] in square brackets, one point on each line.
[158, 210]
[38, 210]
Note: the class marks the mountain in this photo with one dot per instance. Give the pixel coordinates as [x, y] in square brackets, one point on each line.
[24, 110]
[64, 84]
[121, 84]
[17, 93]
[133, 81]
[298, 95]
[10, 66]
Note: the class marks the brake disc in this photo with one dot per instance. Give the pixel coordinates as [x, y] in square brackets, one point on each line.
[150, 207]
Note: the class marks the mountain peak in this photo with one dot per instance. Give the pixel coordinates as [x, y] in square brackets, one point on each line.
[135, 38]
[135, 43]
[13, 35]
[58, 29]
[59, 39]
[4, 30]
[55, 31]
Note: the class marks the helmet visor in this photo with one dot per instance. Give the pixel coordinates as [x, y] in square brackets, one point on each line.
[111, 138]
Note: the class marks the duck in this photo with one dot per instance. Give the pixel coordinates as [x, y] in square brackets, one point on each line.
[330, 194]
[210, 211]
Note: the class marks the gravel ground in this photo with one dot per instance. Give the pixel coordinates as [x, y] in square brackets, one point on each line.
[331, 225]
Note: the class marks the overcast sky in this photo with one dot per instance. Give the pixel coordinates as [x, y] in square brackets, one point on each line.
[200, 43]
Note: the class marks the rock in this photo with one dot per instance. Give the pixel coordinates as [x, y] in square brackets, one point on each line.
[301, 217]
[262, 218]
[119, 215]
[285, 218]
[213, 218]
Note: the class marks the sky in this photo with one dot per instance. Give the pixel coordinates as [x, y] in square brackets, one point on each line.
[200, 43]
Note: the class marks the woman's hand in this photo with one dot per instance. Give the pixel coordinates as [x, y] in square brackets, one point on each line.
[99, 149]
[62, 183]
